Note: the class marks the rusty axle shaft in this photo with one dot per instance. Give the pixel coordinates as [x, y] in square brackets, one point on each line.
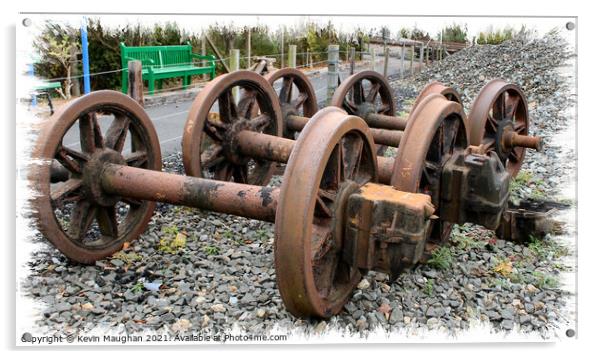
[254, 202]
[513, 139]
[382, 136]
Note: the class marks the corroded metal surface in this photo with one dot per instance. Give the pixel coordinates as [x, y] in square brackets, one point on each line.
[436, 129]
[250, 201]
[334, 151]
[296, 96]
[209, 146]
[499, 120]
[75, 215]
[385, 228]
[437, 87]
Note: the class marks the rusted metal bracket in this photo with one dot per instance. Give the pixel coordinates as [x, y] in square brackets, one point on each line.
[386, 228]
[474, 188]
[519, 223]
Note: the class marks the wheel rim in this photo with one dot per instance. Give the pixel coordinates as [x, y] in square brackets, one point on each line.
[74, 214]
[296, 95]
[437, 88]
[435, 130]
[364, 93]
[499, 106]
[312, 277]
[208, 146]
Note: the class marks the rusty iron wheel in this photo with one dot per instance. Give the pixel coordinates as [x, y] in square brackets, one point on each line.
[72, 212]
[209, 148]
[499, 107]
[363, 93]
[435, 130]
[296, 95]
[334, 153]
[437, 87]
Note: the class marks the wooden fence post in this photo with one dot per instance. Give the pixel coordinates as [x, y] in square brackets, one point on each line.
[352, 64]
[386, 66]
[135, 84]
[292, 56]
[249, 48]
[333, 62]
[403, 60]
[235, 66]
[412, 61]
[373, 58]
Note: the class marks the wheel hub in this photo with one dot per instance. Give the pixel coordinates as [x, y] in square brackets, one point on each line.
[91, 175]
[505, 127]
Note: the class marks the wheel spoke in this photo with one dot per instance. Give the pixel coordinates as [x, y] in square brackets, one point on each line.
[300, 100]
[132, 202]
[350, 107]
[358, 93]
[75, 154]
[70, 164]
[324, 199]
[373, 92]
[212, 156]
[90, 136]
[450, 132]
[107, 221]
[246, 104]
[488, 143]
[136, 159]
[499, 107]
[493, 123]
[213, 132]
[513, 156]
[511, 105]
[81, 218]
[286, 90]
[117, 133]
[352, 148]
[67, 191]
[519, 127]
[227, 107]
[333, 173]
[260, 122]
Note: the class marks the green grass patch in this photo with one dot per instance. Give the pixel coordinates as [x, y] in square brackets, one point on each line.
[127, 257]
[428, 287]
[172, 241]
[544, 280]
[211, 250]
[441, 258]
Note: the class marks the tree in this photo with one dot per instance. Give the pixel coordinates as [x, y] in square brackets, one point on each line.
[57, 45]
[454, 33]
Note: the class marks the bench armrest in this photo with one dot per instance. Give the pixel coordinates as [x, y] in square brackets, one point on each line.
[209, 58]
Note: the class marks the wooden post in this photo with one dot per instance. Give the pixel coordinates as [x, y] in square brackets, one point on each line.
[249, 48]
[373, 58]
[307, 57]
[386, 65]
[235, 66]
[135, 84]
[282, 49]
[292, 56]
[204, 53]
[421, 54]
[333, 61]
[403, 60]
[412, 61]
[218, 54]
[352, 63]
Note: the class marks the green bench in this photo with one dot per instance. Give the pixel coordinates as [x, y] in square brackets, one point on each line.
[45, 89]
[163, 62]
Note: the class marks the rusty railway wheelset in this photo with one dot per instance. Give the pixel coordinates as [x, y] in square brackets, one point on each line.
[341, 210]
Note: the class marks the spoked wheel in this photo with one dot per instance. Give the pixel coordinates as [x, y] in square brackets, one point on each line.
[365, 93]
[72, 211]
[435, 130]
[296, 95]
[437, 88]
[209, 148]
[499, 110]
[333, 156]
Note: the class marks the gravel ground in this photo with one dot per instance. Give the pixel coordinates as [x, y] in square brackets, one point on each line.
[194, 270]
